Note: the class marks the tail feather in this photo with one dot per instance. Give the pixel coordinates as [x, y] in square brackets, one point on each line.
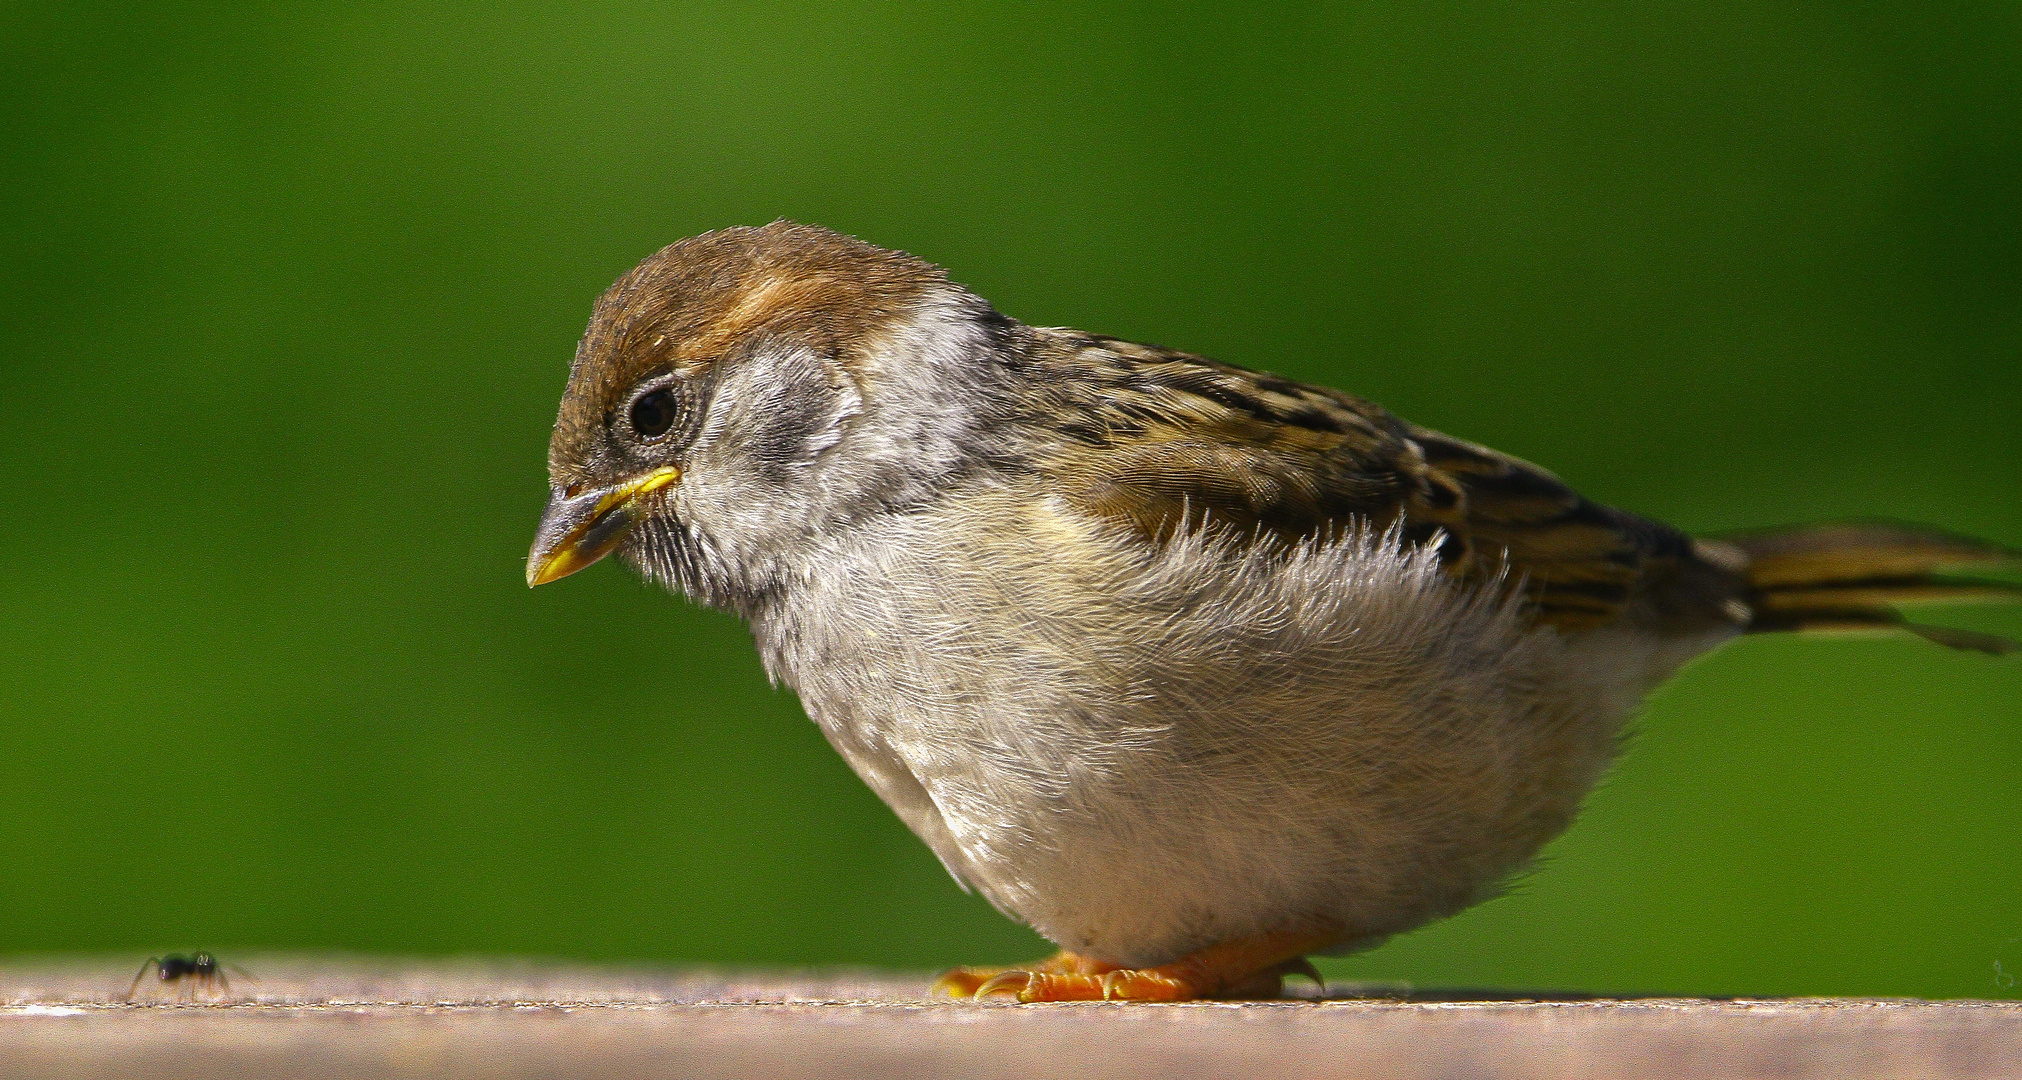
[1854, 576]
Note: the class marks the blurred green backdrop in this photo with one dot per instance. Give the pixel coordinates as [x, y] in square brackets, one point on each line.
[290, 290]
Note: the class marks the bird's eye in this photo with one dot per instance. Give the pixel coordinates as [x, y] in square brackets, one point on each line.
[653, 413]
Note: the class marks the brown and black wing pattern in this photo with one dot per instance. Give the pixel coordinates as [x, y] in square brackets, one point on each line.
[1165, 439]
[1580, 562]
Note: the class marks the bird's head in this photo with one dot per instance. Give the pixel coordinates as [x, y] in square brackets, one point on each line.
[741, 392]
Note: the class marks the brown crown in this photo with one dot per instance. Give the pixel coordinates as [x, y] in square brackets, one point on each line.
[691, 303]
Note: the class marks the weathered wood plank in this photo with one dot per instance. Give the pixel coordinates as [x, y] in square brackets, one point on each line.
[318, 1018]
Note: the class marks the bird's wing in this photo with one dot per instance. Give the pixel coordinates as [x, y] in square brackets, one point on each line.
[1581, 562]
[1169, 440]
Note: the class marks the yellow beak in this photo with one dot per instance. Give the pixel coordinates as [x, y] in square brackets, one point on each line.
[578, 530]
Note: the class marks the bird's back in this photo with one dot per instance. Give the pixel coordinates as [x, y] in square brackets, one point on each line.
[1161, 441]
[1166, 440]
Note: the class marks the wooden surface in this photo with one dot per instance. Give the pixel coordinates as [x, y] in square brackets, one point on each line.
[313, 1018]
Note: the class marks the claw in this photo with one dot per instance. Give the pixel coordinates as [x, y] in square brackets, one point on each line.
[954, 984]
[1013, 981]
[1303, 966]
[1147, 984]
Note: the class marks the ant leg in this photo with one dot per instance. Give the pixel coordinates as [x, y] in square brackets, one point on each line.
[224, 984]
[152, 961]
[243, 974]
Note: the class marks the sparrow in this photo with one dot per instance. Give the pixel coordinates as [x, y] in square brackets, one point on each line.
[1196, 670]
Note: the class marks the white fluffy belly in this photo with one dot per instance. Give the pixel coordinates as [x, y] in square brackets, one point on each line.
[1142, 754]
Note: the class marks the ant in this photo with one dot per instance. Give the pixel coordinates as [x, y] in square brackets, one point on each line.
[202, 970]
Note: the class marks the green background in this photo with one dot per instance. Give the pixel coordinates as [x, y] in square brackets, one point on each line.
[290, 291]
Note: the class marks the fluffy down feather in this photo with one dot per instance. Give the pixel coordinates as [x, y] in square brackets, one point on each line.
[1141, 751]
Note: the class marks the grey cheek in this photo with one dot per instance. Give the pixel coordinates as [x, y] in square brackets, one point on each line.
[795, 428]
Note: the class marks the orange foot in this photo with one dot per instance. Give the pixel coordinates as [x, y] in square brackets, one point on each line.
[1247, 968]
[963, 982]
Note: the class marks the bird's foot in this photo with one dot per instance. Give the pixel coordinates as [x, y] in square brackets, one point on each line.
[964, 982]
[1248, 968]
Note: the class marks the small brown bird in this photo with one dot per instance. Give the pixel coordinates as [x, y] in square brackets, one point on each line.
[1196, 670]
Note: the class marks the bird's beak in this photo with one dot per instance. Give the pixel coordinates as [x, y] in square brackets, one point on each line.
[578, 530]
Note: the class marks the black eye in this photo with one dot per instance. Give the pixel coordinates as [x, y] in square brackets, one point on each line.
[653, 413]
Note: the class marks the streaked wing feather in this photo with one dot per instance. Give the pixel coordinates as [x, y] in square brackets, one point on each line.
[1170, 440]
[1581, 562]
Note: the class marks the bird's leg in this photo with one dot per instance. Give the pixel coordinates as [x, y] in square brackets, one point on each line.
[963, 982]
[1243, 968]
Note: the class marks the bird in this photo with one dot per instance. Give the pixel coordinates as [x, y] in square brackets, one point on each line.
[1197, 671]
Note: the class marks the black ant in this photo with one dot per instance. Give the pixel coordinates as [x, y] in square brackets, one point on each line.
[202, 970]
